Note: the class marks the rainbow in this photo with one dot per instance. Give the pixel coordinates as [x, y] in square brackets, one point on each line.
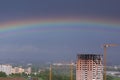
[47, 25]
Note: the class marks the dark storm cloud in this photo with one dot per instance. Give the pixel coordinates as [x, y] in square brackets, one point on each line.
[19, 9]
[58, 45]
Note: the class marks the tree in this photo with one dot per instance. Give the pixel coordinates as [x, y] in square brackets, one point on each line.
[3, 74]
[109, 77]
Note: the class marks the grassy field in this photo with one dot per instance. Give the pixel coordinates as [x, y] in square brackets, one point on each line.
[116, 79]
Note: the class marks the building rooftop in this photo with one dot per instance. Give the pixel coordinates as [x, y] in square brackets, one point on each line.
[12, 79]
[89, 56]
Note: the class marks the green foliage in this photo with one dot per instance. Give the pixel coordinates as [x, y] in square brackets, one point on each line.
[3, 74]
[18, 75]
[112, 78]
[116, 78]
[109, 77]
[44, 75]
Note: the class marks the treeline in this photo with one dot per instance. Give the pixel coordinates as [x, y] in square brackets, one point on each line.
[44, 75]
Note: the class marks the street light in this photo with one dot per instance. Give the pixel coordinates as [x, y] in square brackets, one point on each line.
[105, 46]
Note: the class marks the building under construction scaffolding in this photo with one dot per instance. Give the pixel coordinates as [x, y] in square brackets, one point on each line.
[89, 67]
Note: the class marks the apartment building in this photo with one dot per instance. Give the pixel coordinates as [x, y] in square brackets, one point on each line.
[6, 68]
[89, 67]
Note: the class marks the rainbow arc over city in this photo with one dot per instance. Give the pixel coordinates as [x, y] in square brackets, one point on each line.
[44, 25]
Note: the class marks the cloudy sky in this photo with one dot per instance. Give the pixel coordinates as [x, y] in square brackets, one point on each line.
[59, 42]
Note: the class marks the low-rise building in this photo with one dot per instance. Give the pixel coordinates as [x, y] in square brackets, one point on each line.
[6, 68]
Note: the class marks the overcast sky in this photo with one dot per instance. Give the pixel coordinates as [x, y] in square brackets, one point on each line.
[50, 46]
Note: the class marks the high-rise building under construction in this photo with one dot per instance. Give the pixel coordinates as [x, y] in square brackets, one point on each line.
[89, 67]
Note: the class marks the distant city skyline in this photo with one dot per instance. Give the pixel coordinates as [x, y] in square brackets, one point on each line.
[49, 31]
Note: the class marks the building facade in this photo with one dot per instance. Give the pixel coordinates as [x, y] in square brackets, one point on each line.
[6, 68]
[89, 67]
[17, 70]
[28, 70]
